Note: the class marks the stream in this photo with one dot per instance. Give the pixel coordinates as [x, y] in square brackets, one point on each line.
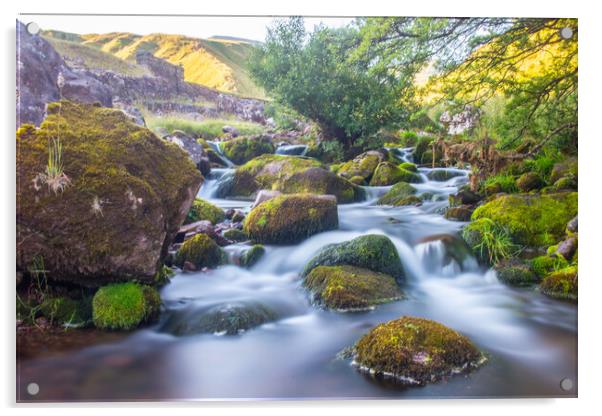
[530, 340]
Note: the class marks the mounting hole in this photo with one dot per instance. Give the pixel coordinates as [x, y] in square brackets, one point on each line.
[566, 33]
[33, 389]
[566, 384]
[32, 28]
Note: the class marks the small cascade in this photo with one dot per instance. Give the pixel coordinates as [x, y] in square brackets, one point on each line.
[217, 148]
[292, 149]
[217, 183]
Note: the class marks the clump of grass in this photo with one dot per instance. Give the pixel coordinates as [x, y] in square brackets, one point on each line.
[207, 129]
[493, 242]
[502, 183]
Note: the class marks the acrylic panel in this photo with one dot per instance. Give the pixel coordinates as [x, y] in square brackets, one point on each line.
[228, 207]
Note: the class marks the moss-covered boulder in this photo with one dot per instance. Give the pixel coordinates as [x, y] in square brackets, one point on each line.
[112, 212]
[565, 183]
[516, 273]
[66, 311]
[200, 251]
[223, 319]
[415, 351]
[234, 234]
[397, 194]
[373, 252]
[358, 180]
[561, 284]
[350, 288]
[288, 219]
[290, 174]
[408, 166]
[442, 175]
[544, 265]
[531, 220]
[242, 149]
[362, 165]
[252, 255]
[529, 181]
[387, 173]
[125, 306]
[202, 210]
[460, 213]
[566, 168]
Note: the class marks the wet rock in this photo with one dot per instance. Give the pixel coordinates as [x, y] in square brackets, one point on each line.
[265, 195]
[442, 175]
[242, 149]
[373, 252]
[252, 256]
[323, 182]
[529, 181]
[460, 213]
[362, 165]
[397, 194]
[350, 288]
[464, 197]
[125, 306]
[201, 251]
[113, 212]
[387, 173]
[235, 235]
[573, 225]
[200, 227]
[202, 210]
[238, 216]
[513, 272]
[358, 180]
[561, 284]
[194, 149]
[223, 319]
[288, 219]
[455, 248]
[567, 248]
[415, 351]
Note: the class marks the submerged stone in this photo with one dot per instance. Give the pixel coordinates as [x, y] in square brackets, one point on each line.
[350, 288]
[288, 219]
[415, 351]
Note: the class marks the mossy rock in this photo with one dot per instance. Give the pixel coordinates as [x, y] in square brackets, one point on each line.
[289, 175]
[423, 145]
[415, 351]
[544, 265]
[358, 180]
[531, 220]
[561, 284]
[67, 311]
[408, 166]
[529, 181]
[234, 234]
[472, 234]
[288, 219]
[373, 252]
[387, 173]
[200, 251]
[124, 196]
[250, 257]
[203, 210]
[125, 306]
[223, 319]
[351, 288]
[460, 213]
[442, 175]
[362, 165]
[515, 273]
[242, 149]
[566, 168]
[397, 194]
[566, 183]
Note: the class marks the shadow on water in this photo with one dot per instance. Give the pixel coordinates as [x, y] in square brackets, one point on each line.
[530, 340]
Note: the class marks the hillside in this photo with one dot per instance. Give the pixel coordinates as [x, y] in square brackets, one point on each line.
[217, 63]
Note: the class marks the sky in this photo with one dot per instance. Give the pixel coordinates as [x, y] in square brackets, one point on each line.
[253, 28]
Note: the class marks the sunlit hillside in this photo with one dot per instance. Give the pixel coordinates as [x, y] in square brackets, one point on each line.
[216, 63]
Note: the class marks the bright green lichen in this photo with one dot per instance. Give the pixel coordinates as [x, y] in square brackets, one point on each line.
[201, 251]
[203, 210]
[416, 351]
[347, 287]
[125, 306]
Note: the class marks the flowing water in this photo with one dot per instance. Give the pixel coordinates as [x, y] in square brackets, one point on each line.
[530, 340]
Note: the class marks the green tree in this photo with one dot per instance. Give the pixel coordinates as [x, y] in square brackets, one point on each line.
[311, 73]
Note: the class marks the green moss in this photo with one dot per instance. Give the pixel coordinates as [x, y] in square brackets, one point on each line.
[126, 199]
[350, 288]
[515, 273]
[567, 168]
[408, 166]
[252, 255]
[489, 241]
[422, 146]
[529, 181]
[201, 251]
[499, 183]
[544, 265]
[565, 183]
[164, 275]
[373, 252]
[461, 213]
[416, 351]
[561, 284]
[531, 220]
[363, 165]
[387, 173]
[125, 306]
[242, 149]
[291, 218]
[358, 180]
[397, 194]
[442, 175]
[64, 310]
[203, 210]
[234, 234]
